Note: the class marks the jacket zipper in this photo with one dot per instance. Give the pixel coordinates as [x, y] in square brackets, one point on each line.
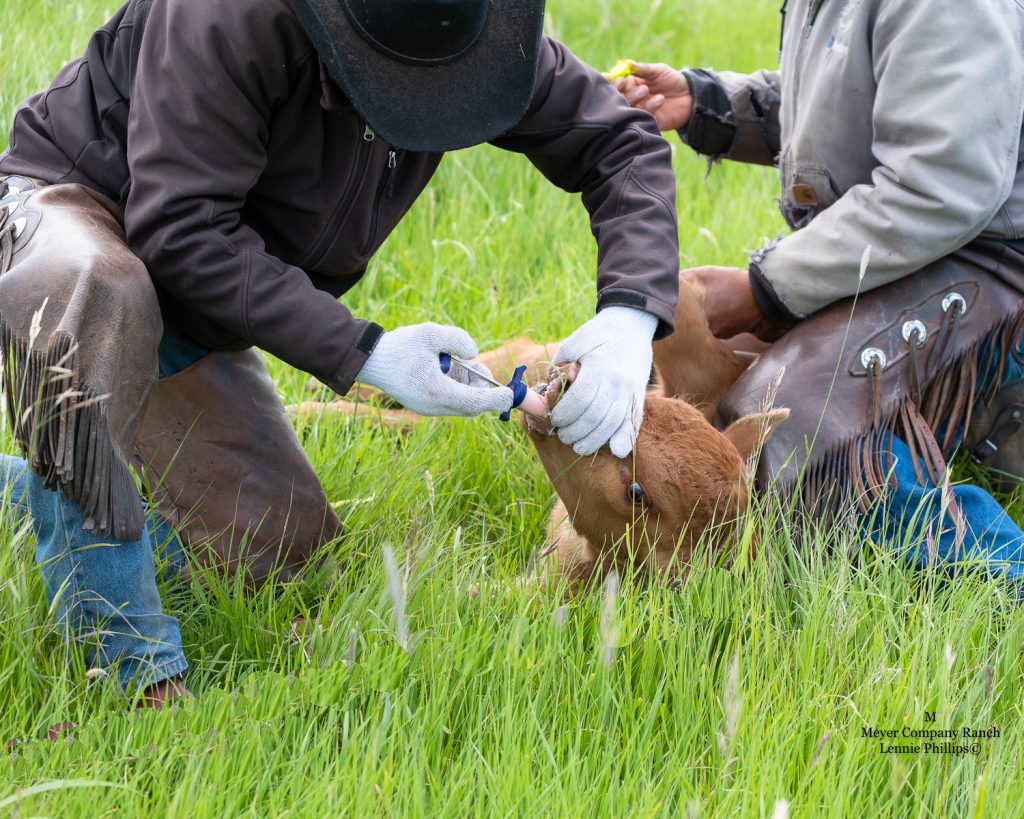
[385, 190]
[813, 9]
[341, 210]
[812, 15]
[782, 29]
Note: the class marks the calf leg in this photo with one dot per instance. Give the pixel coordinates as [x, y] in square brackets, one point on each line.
[311, 410]
[502, 361]
[691, 363]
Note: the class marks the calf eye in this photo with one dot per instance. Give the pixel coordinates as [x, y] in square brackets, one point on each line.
[635, 492]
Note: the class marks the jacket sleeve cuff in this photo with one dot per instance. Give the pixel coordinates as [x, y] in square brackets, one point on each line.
[343, 379]
[762, 296]
[712, 129]
[764, 292]
[665, 313]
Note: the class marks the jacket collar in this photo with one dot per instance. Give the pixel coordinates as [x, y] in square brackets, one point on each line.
[331, 97]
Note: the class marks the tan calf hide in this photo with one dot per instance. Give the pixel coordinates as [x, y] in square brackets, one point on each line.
[685, 485]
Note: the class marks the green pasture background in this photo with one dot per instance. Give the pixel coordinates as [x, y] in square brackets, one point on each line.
[742, 693]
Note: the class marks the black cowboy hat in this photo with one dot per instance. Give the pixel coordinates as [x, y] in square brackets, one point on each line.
[430, 75]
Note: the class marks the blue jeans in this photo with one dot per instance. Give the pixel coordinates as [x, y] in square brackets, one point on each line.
[914, 520]
[104, 591]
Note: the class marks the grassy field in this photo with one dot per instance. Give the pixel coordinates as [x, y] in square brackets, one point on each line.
[738, 691]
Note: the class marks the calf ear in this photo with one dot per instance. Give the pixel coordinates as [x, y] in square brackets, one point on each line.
[751, 431]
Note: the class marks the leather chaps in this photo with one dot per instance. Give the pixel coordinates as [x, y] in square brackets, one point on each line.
[909, 359]
[80, 327]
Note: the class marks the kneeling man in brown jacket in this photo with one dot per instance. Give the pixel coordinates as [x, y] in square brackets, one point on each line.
[211, 177]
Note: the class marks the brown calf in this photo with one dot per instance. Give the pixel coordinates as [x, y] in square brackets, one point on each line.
[686, 483]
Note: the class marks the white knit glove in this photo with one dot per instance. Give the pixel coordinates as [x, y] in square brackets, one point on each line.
[406, 365]
[605, 404]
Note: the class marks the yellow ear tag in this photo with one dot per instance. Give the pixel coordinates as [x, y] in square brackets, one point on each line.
[621, 69]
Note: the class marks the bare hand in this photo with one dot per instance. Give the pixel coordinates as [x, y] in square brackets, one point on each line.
[660, 90]
[728, 299]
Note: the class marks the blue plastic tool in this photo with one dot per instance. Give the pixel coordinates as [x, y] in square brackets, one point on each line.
[517, 385]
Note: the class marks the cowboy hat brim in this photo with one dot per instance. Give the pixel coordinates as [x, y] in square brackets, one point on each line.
[468, 101]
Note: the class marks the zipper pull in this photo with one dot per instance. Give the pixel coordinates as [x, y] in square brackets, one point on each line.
[389, 190]
[368, 134]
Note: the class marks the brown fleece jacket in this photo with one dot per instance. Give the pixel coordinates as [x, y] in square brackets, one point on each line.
[255, 194]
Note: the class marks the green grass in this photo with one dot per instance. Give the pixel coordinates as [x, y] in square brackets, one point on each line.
[740, 689]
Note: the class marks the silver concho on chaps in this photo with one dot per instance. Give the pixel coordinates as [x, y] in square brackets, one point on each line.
[909, 359]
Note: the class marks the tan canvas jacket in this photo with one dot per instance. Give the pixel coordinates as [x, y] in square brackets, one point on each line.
[895, 124]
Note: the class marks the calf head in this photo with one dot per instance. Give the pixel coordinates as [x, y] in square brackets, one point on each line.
[653, 507]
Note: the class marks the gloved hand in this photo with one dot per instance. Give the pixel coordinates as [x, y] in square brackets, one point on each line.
[405, 364]
[605, 404]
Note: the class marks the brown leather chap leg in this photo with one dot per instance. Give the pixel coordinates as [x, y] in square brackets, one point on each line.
[80, 327]
[79, 330]
[228, 471]
[908, 359]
